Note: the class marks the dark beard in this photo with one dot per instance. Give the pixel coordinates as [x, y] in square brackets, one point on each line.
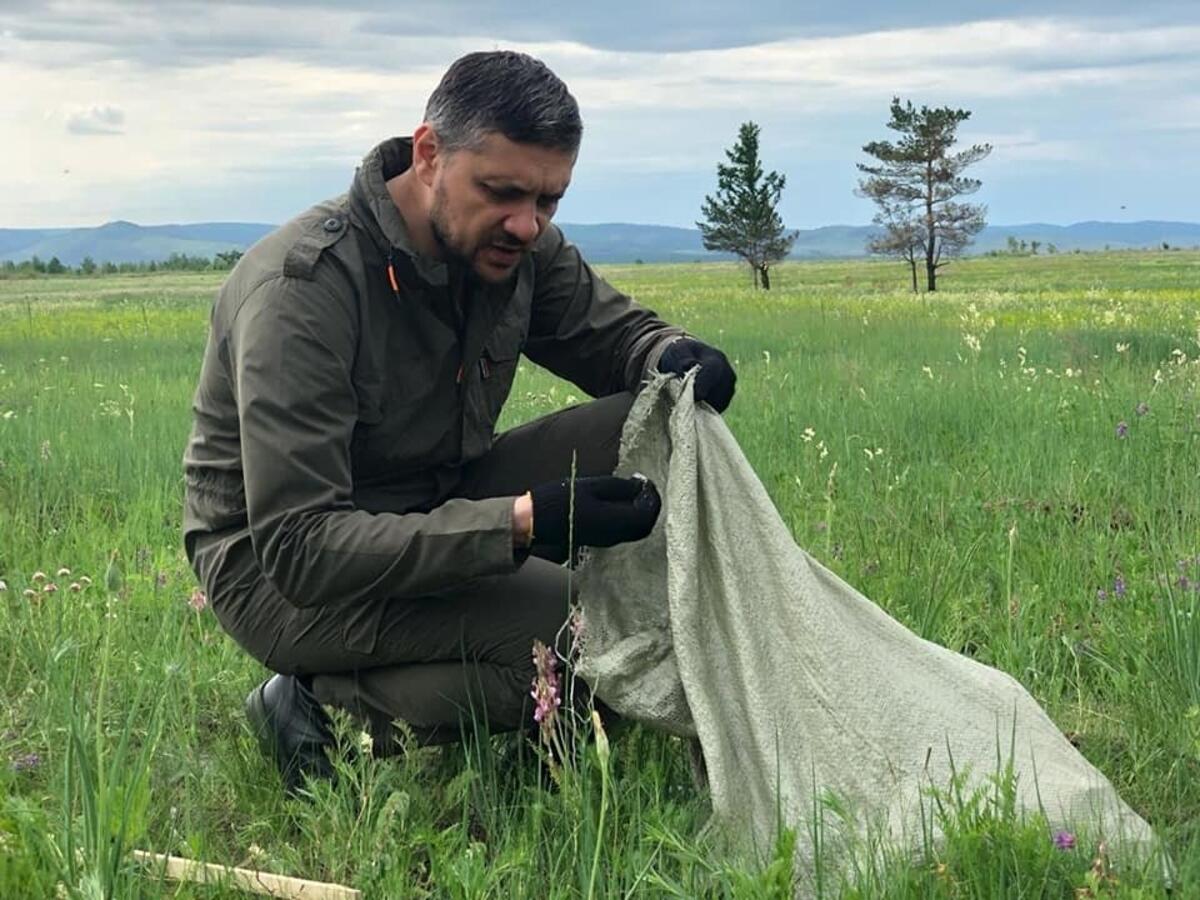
[449, 251]
[456, 259]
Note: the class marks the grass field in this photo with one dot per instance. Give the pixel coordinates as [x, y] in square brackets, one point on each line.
[1009, 467]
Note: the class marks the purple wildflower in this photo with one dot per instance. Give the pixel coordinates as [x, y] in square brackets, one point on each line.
[1101, 594]
[1142, 408]
[26, 762]
[198, 601]
[545, 690]
[1122, 429]
[1064, 840]
[1119, 587]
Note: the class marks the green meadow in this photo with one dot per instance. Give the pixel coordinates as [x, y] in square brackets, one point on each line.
[1009, 467]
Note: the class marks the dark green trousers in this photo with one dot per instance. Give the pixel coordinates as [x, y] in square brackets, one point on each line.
[437, 660]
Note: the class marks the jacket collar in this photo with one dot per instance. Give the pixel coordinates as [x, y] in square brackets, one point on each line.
[378, 211]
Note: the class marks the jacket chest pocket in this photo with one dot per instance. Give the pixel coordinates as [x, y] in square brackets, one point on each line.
[498, 367]
[405, 428]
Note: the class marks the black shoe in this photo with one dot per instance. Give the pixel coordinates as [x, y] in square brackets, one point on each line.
[291, 728]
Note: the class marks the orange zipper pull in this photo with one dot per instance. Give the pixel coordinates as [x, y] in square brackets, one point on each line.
[391, 273]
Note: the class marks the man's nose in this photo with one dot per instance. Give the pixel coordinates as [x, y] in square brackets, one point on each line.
[522, 225]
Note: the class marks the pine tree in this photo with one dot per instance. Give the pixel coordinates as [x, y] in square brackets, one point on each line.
[742, 218]
[916, 183]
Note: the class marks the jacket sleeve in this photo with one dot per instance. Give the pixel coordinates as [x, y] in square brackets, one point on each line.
[291, 348]
[585, 330]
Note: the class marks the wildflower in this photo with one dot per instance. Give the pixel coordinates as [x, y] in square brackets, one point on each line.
[1142, 408]
[1064, 840]
[1122, 429]
[1101, 594]
[38, 577]
[808, 434]
[26, 762]
[1119, 587]
[545, 690]
[1122, 348]
[45, 451]
[928, 371]
[198, 601]
[602, 747]
[29, 593]
[64, 572]
[85, 581]
[160, 580]
[50, 588]
[75, 587]
[3, 585]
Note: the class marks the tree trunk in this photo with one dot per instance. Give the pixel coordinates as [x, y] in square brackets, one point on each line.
[754, 271]
[912, 264]
[766, 279]
[930, 232]
[930, 268]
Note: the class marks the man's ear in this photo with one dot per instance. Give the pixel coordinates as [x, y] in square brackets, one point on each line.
[427, 154]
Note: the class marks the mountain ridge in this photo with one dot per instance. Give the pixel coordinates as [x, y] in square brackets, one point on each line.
[122, 241]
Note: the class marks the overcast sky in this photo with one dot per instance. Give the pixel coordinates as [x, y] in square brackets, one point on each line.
[183, 111]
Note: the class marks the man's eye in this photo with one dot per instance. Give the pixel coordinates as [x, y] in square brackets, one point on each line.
[505, 195]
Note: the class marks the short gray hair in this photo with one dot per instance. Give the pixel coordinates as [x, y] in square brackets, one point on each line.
[506, 92]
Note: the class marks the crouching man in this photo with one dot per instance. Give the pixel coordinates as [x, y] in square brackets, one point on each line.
[358, 525]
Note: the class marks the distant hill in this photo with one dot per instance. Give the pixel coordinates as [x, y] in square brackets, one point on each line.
[119, 242]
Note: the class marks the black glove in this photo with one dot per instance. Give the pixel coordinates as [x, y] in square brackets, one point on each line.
[608, 511]
[716, 379]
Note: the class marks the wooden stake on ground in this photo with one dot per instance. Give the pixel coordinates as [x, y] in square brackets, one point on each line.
[179, 868]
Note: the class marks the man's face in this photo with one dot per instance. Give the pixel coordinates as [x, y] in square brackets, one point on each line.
[491, 203]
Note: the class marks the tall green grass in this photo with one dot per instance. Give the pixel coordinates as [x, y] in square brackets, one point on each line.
[1008, 467]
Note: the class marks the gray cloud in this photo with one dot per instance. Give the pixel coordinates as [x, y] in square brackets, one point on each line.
[252, 109]
[382, 33]
[97, 120]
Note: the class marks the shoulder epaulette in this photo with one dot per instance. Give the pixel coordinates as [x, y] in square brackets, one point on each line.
[324, 232]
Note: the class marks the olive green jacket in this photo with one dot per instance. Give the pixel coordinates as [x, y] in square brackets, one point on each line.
[334, 411]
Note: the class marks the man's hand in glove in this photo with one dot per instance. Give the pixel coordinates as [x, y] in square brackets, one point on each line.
[608, 510]
[715, 381]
